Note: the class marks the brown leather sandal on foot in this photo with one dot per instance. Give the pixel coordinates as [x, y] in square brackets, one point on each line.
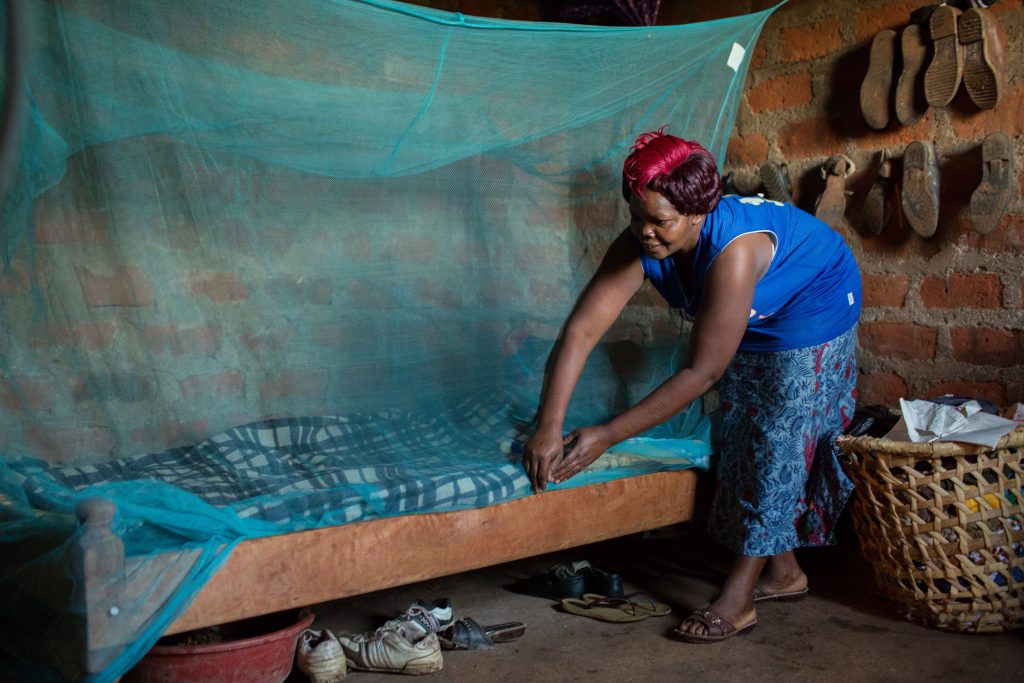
[718, 629]
[787, 596]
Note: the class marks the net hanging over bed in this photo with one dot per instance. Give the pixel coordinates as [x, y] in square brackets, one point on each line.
[271, 266]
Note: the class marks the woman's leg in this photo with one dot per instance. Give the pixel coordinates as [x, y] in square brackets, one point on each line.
[782, 574]
[735, 604]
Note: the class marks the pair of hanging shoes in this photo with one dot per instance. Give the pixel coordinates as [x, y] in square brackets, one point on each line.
[968, 48]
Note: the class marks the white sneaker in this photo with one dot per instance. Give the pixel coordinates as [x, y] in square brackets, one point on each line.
[389, 650]
[420, 619]
[320, 657]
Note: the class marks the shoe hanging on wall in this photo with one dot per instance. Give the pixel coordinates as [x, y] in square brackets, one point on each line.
[775, 178]
[910, 101]
[983, 57]
[992, 196]
[876, 88]
[942, 79]
[877, 211]
[831, 203]
[921, 187]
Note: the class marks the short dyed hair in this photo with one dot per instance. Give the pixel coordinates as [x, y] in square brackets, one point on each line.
[681, 170]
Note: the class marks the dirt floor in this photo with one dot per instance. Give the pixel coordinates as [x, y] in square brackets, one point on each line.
[843, 631]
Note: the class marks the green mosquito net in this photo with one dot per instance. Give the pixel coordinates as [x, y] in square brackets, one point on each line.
[275, 265]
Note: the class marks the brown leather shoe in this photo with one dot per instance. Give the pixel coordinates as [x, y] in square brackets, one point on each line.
[942, 79]
[911, 104]
[876, 88]
[990, 199]
[877, 210]
[983, 57]
[831, 203]
[921, 187]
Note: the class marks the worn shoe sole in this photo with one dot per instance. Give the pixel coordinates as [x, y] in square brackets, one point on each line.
[981, 78]
[876, 212]
[992, 196]
[877, 84]
[775, 183]
[943, 76]
[911, 104]
[920, 188]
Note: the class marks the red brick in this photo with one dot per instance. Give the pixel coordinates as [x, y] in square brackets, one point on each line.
[747, 150]
[885, 389]
[1007, 236]
[975, 290]
[300, 290]
[125, 287]
[308, 384]
[1006, 117]
[219, 385]
[897, 136]
[436, 294]
[887, 15]
[885, 290]
[34, 393]
[269, 340]
[172, 434]
[204, 339]
[63, 226]
[809, 138]
[417, 250]
[989, 391]
[903, 340]
[218, 287]
[103, 386]
[809, 41]
[757, 60]
[94, 335]
[367, 294]
[988, 346]
[783, 92]
[70, 444]
[14, 280]
[330, 335]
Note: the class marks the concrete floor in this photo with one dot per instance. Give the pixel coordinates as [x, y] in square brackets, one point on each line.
[844, 631]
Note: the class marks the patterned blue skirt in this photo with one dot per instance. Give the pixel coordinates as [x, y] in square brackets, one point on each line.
[780, 485]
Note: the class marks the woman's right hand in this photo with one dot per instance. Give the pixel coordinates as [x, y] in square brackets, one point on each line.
[541, 453]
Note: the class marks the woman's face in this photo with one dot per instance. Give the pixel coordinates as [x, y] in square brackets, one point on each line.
[661, 229]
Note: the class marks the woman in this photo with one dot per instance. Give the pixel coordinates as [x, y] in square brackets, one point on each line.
[774, 295]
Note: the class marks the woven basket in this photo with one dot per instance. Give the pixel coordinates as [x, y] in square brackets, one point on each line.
[942, 525]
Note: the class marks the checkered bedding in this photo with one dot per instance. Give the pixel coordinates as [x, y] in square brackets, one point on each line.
[305, 472]
[322, 470]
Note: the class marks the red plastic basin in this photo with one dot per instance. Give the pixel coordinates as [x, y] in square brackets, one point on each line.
[265, 657]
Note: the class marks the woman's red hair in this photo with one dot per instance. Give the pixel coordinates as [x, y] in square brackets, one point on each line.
[681, 170]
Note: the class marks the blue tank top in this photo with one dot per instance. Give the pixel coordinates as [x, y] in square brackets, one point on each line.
[811, 292]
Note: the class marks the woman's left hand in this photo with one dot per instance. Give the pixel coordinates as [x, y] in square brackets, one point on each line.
[585, 445]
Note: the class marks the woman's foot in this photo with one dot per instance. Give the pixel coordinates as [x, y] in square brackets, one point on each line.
[781, 581]
[715, 623]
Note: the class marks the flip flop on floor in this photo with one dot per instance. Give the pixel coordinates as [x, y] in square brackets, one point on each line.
[467, 634]
[628, 608]
[718, 629]
[786, 596]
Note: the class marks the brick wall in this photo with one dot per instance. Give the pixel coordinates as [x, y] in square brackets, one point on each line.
[942, 314]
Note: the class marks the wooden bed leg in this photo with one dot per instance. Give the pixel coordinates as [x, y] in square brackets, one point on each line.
[99, 561]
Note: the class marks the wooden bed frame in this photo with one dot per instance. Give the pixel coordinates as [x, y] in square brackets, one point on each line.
[286, 571]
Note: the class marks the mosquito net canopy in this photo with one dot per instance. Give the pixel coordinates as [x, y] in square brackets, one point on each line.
[273, 265]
